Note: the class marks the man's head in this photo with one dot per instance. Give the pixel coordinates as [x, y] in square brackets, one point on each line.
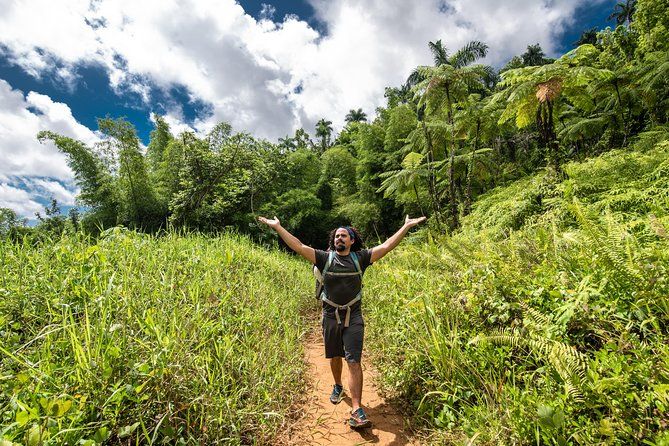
[345, 238]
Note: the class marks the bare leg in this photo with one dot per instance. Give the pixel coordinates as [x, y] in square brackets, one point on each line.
[335, 366]
[355, 383]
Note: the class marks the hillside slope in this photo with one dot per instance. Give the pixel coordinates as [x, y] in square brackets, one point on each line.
[545, 320]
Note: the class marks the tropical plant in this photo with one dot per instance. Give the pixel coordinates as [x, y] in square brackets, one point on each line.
[534, 56]
[411, 175]
[356, 116]
[533, 94]
[623, 12]
[443, 85]
[324, 132]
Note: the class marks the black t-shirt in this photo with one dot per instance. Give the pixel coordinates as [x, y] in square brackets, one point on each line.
[341, 290]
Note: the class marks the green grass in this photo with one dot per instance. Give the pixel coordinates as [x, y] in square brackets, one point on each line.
[549, 326]
[141, 340]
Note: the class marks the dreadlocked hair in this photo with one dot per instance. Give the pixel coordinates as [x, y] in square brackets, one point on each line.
[357, 244]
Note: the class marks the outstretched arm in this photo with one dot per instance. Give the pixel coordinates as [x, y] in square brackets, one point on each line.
[293, 242]
[390, 244]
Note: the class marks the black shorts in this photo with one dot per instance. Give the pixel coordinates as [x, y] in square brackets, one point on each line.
[343, 341]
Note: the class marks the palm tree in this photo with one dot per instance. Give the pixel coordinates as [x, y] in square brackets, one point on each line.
[587, 36]
[324, 131]
[443, 85]
[623, 12]
[466, 55]
[533, 56]
[356, 116]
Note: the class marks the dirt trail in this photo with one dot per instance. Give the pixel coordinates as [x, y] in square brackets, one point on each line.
[323, 423]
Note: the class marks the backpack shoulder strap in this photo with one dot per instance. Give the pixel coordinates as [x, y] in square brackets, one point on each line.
[320, 286]
[356, 262]
[328, 263]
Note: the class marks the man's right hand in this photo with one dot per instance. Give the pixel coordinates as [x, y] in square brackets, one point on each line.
[271, 223]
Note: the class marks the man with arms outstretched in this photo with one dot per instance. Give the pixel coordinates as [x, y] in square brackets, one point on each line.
[343, 327]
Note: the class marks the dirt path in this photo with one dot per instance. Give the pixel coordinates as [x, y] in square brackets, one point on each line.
[326, 424]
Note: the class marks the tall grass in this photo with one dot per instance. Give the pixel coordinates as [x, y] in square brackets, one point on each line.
[553, 331]
[143, 340]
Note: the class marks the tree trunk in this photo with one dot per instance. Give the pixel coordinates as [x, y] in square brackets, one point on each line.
[470, 168]
[453, 204]
[431, 182]
[418, 200]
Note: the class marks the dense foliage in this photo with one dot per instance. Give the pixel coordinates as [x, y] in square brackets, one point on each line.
[453, 131]
[538, 323]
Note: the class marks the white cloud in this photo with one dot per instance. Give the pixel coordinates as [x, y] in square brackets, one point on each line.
[18, 200]
[30, 171]
[20, 121]
[48, 188]
[265, 77]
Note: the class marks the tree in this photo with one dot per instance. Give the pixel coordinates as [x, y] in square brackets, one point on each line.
[338, 168]
[441, 87]
[356, 116]
[651, 25]
[9, 220]
[466, 55]
[302, 140]
[160, 137]
[397, 96]
[53, 223]
[587, 37]
[286, 144]
[534, 56]
[472, 124]
[532, 94]
[139, 205]
[623, 12]
[324, 132]
[98, 187]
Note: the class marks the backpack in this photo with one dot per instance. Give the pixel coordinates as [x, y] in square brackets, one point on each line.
[320, 286]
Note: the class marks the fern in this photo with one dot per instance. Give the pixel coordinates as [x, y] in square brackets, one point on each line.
[569, 364]
[607, 245]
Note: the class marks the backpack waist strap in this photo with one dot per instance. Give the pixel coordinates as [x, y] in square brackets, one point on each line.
[338, 307]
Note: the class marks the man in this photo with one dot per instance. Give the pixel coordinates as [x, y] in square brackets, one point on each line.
[343, 327]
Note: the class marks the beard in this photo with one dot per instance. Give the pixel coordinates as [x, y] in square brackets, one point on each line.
[340, 247]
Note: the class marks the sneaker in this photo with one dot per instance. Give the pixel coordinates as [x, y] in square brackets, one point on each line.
[359, 419]
[337, 394]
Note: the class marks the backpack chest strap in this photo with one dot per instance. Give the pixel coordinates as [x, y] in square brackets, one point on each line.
[351, 273]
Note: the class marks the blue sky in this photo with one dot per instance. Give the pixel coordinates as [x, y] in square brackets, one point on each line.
[267, 69]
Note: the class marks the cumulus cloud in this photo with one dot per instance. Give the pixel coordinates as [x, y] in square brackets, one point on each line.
[19, 200]
[30, 171]
[263, 76]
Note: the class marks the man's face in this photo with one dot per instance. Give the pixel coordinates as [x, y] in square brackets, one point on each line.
[342, 240]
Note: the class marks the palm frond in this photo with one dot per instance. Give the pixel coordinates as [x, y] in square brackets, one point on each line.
[471, 52]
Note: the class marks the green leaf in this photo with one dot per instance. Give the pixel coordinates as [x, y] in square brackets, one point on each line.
[23, 417]
[546, 416]
[34, 436]
[558, 418]
[101, 435]
[126, 431]
[63, 407]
